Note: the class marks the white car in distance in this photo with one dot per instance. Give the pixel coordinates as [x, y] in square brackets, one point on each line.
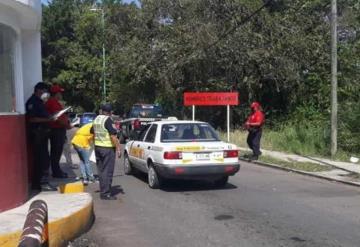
[181, 150]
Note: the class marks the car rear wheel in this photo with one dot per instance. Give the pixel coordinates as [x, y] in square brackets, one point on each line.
[128, 169]
[154, 179]
[222, 181]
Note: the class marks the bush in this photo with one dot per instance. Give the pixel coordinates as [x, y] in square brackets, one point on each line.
[349, 127]
[300, 138]
[307, 132]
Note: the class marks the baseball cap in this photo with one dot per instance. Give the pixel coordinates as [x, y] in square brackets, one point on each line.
[56, 89]
[106, 108]
[41, 86]
[255, 105]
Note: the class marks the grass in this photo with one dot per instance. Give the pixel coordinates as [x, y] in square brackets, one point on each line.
[296, 165]
[354, 175]
[307, 142]
[301, 166]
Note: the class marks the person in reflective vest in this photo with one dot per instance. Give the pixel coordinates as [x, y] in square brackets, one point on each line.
[106, 147]
[254, 125]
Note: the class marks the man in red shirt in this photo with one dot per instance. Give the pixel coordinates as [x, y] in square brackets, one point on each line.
[58, 130]
[254, 125]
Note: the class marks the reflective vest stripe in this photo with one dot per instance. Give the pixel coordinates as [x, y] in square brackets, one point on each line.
[102, 136]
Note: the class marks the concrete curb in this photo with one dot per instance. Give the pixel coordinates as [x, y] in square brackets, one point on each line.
[60, 230]
[66, 229]
[75, 187]
[340, 165]
[301, 172]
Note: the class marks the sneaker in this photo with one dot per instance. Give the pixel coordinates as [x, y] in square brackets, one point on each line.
[85, 182]
[254, 157]
[48, 187]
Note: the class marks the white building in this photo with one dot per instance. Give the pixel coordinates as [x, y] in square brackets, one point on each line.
[20, 70]
[20, 52]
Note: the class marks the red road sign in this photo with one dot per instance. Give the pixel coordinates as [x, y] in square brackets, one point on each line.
[211, 98]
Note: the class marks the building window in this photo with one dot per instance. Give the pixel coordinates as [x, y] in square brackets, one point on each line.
[7, 69]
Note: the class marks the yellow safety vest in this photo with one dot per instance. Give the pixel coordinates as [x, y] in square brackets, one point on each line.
[102, 136]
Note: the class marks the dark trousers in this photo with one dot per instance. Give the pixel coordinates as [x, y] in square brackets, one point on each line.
[105, 161]
[253, 140]
[57, 141]
[38, 140]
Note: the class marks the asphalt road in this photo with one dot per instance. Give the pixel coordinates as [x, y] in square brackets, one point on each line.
[259, 207]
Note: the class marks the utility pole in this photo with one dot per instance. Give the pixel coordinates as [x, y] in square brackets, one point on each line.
[103, 53]
[334, 83]
[103, 49]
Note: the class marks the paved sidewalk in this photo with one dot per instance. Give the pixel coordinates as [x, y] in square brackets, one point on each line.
[347, 166]
[341, 172]
[70, 213]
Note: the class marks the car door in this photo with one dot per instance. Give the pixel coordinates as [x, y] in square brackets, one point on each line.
[147, 144]
[136, 152]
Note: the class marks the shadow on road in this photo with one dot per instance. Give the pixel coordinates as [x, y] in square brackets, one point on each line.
[172, 185]
[186, 185]
[117, 189]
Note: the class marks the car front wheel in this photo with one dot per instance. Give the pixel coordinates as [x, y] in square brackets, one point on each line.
[154, 179]
[128, 169]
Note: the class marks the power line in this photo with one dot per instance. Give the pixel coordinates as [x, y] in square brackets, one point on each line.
[228, 32]
[242, 22]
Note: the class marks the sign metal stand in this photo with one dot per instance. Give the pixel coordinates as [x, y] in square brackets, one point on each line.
[210, 99]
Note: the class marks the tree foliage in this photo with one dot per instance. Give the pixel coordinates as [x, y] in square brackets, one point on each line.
[276, 52]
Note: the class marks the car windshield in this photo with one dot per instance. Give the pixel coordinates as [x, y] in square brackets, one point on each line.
[89, 115]
[188, 132]
[146, 111]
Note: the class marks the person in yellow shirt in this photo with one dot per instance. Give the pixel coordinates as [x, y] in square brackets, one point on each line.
[82, 141]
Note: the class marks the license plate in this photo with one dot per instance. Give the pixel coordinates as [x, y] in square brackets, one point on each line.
[203, 156]
[217, 155]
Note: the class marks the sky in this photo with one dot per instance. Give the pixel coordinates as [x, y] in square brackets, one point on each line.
[125, 1]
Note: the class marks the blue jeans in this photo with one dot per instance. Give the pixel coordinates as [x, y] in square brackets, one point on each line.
[85, 166]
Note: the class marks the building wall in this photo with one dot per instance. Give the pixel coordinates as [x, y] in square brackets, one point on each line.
[31, 51]
[24, 17]
[13, 162]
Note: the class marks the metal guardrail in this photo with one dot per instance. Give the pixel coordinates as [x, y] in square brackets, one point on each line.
[35, 230]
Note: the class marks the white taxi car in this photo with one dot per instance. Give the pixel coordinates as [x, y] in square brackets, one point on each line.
[181, 150]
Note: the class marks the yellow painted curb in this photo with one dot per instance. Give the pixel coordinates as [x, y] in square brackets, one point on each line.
[61, 231]
[76, 187]
[68, 228]
[10, 240]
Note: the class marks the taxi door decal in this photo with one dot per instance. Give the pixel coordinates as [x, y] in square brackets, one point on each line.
[137, 152]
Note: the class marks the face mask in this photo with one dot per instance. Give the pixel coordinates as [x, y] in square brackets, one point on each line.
[45, 96]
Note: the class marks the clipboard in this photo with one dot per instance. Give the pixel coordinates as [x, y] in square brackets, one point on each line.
[59, 113]
[92, 157]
